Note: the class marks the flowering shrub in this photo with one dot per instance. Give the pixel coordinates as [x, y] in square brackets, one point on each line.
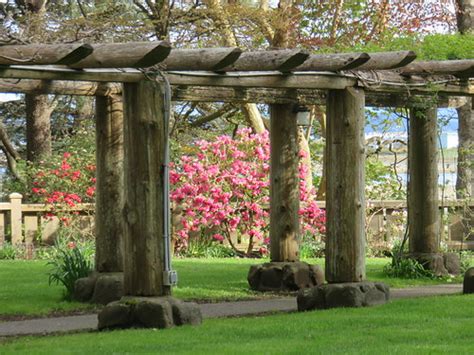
[220, 189]
[223, 189]
[63, 183]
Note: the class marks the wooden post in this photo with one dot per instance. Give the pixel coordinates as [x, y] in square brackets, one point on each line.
[284, 184]
[109, 199]
[423, 203]
[143, 210]
[345, 196]
[16, 222]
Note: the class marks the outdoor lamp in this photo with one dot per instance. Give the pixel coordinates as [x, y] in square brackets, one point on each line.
[302, 115]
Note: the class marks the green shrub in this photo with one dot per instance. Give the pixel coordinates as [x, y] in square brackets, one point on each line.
[311, 248]
[70, 262]
[406, 268]
[206, 248]
[8, 252]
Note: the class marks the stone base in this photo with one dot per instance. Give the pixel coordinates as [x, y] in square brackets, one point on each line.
[149, 312]
[468, 284]
[354, 294]
[439, 264]
[101, 288]
[284, 276]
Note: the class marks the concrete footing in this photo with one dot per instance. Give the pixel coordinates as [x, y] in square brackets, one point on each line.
[353, 294]
[149, 312]
[284, 276]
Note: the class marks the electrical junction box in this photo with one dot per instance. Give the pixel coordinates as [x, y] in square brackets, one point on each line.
[170, 278]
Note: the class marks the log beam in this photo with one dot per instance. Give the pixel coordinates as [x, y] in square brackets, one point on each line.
[109, 194]
[125, 55]
[279, 60]
[379, 82]
[143, 209]
[59, 87]
[206, 94]
[423, 201]
[459, 68]
[44, 54]
[345, 196]
[388, 60]
[333, 62]
[213, 59]
[284, 184]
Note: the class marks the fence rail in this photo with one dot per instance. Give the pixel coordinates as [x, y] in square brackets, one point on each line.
[25, 223]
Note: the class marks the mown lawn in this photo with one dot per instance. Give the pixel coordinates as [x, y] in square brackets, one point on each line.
[24, 288]
[411, 326]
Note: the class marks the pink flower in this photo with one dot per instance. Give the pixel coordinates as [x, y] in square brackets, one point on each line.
[218, 237]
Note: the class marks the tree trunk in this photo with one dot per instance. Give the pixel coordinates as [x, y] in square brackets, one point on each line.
[345, 199]
[465, 168]
[423, 201]
[38, 127]
[38, 108]
[284, 184]
[465, 16]
[143, 210]
[109, 197]
[250, 111]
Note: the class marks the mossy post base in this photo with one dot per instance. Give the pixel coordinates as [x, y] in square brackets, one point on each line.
[148, 312]
[284, 276]
[100, 288]
[348, 294]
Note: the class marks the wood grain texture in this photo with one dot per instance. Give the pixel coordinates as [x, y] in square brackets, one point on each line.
[284, 184]
[109, 194]
[345, 196]
[143, 209]
[423, 199]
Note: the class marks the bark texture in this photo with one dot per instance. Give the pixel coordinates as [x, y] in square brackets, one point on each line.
[423, 200]
[109, 198]
[38, 126]
[284, 184]
[345, 196]
[143, 209]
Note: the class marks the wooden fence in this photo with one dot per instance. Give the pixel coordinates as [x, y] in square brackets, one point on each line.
[24, 224]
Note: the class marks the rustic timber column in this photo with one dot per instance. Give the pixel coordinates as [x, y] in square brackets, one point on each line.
[423, 201]
[284, 272]
[109, 199]
[143, 210]
[284, 184]
[345, 196]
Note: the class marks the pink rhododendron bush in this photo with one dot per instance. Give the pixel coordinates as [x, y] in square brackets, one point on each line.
[221, 192]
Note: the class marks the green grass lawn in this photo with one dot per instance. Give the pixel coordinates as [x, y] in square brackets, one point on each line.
[410, 326]
[24, 288]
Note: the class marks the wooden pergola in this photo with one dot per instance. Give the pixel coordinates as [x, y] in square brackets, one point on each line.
[345, 83]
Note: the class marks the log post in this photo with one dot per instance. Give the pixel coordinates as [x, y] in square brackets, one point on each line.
[109, 198]
[423, 202]
[345, 196]
[284, 184]
[143, 209]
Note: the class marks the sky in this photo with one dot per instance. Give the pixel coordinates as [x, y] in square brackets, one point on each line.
[8, 97]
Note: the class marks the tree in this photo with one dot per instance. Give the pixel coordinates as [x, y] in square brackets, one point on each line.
[465, 168]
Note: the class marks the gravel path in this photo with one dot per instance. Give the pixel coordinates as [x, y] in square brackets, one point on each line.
[43, 326]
